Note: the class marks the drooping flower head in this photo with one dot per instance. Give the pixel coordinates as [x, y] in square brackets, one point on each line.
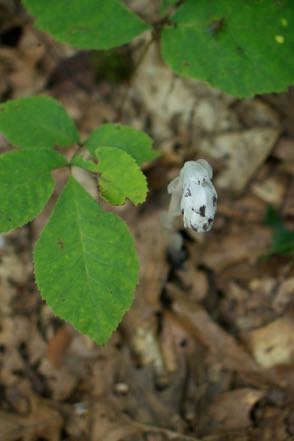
[193, 195]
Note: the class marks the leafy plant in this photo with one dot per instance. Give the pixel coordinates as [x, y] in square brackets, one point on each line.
[241, 47]
[85, 260]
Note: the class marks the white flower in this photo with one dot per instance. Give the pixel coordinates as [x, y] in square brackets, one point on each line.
[193, 195]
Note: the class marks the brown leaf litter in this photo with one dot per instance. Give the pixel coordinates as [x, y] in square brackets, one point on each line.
[206, 351]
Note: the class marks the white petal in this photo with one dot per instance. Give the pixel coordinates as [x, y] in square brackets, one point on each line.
[174, 185]
[193, 171]
[175, 204]
[206, 166]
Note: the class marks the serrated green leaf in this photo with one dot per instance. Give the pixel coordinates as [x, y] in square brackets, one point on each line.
[37, 122]
[90, 24]
[120, 176]
[241, 47]
[26, 184]
[86, 264]
[136, 143]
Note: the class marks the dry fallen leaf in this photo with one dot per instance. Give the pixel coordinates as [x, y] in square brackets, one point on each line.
[242, 245]
[242, 152]
[227, 414]
[274, 343]
[43, 422]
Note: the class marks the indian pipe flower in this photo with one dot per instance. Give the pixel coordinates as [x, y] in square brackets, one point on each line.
[193, 195]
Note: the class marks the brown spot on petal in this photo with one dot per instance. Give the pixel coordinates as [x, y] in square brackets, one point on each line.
[210, 220]
[202, 210]
[214, 201]
[187, 193]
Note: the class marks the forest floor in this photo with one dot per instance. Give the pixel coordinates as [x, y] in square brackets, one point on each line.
[206, 352]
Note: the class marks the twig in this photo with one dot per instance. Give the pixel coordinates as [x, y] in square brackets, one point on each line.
[133, 76]
[172, 435]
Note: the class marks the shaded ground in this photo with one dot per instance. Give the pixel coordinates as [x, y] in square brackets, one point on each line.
[206, 352]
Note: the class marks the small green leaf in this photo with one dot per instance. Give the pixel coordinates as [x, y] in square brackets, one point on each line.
[283, 239]
[241, 47]
[37, 122]
[86, 264]
[134, 142]
[90, 24]
[86, 164]
[26, 184]
[121, 176]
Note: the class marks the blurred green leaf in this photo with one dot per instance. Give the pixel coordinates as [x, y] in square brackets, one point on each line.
[283, 239]
[89, 24]
[37, 122]
[165, 5]
[241, 47]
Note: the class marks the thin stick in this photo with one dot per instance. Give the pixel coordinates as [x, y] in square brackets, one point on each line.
[172, 435]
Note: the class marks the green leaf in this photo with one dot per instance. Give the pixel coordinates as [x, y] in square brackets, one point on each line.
[86, 264]
[134, 142]
[86, 164]
[37, 122]
[120, 177]
[90, 24]
[26, 184]
[283, 239]
[241, 47]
